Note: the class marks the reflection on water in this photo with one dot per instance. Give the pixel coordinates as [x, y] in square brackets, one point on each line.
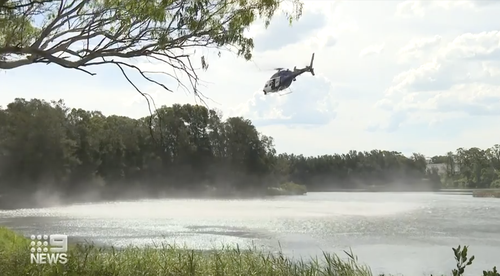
[406, 233]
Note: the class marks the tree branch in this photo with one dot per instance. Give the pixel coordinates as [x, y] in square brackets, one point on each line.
[76, 34]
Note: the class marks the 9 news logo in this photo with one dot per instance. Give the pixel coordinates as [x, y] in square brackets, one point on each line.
[49, 249]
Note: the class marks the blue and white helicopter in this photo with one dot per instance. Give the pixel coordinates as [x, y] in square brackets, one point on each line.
[283, 78]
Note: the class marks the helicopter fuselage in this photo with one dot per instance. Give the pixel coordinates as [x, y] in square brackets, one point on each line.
[282, 80]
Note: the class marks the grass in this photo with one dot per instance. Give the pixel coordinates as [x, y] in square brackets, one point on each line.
[486, 193]
[175, 261]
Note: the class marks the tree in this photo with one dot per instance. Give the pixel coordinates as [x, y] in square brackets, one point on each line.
[84, 33]
[48, 146]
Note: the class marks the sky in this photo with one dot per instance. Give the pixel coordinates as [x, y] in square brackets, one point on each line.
[409, 76]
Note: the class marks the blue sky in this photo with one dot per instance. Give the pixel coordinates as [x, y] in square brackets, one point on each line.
[411, 76]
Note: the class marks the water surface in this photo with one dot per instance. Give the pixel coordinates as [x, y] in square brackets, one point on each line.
[407, 233]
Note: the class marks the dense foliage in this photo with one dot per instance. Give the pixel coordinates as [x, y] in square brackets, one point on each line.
[81, 34]
[86, 31]
[471, 168]
[192, 149]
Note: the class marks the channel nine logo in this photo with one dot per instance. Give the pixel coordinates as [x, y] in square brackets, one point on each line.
[49, 249]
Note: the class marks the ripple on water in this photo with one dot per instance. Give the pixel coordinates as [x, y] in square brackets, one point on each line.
[398, 226]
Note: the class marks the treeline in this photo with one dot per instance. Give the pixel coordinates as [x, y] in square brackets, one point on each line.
[48, 146]
[470, 168]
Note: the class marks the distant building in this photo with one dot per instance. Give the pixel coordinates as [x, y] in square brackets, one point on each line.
[441, 167]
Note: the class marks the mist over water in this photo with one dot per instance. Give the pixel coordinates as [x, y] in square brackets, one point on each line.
[410, 233]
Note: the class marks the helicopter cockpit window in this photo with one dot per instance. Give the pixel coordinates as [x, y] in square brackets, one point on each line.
[275, 82]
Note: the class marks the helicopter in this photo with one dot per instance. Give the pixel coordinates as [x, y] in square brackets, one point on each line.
[283, 78]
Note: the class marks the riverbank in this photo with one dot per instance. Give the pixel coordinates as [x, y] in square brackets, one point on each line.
[42, 199]
[472, 192]
[171, 260]
[486, 193]
[46, 199]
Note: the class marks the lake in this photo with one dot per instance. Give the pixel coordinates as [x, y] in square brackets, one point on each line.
[398, 233]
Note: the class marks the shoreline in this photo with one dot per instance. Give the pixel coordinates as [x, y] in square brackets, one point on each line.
[488, 193]
[88, 259]
[11, 203]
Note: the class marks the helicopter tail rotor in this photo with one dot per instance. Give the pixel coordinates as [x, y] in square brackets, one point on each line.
[311, 69]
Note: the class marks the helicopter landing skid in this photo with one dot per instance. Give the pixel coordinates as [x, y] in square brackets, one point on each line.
[290, 92]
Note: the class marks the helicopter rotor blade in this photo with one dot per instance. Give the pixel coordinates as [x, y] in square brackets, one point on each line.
[270, 69]
[266, 69]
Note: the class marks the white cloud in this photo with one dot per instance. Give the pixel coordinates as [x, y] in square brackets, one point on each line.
[410, 8]
[421, 8]
[454, 63]
[404, 81]
[372, 50]
[433, 87]
[491, 68]
[462, 78]
[417, 47]
[471, 99]
[311, 104]
[473, 45]
[280, 34]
